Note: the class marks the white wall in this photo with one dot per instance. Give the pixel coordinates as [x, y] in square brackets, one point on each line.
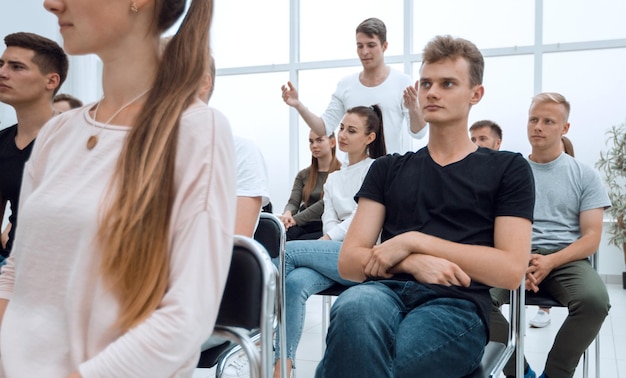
[611, 258]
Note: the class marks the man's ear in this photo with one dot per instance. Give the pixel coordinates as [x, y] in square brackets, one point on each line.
[477, 95]
[53, 80]
[565, 129]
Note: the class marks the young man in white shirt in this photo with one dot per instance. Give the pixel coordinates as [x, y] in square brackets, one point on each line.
[376, 84]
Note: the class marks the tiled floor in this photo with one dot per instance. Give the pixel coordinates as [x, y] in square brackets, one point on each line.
[537, 341]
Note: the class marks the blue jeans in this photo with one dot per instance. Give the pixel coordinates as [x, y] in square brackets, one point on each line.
[401, 329]
[310, 267]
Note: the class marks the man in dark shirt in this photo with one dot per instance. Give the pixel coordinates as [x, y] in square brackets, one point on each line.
[32, 69]
[453, 219]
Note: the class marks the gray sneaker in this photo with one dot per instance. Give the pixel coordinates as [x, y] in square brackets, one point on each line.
[541, 319]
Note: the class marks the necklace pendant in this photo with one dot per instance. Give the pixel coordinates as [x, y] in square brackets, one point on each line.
[92, 141]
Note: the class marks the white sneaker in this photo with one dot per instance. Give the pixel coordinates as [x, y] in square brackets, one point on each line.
[238, 367]
[541, 319]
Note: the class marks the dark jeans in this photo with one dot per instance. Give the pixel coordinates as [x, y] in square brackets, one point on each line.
[579, 287]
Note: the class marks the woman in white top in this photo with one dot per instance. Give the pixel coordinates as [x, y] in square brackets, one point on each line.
[128, 207]
[311, 265]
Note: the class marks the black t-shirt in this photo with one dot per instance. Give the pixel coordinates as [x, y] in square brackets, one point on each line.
[12, 161]
[458, 202]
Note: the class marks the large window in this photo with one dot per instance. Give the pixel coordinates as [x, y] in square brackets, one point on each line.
[583, 20]
[250, 33]
[311, 42]
[327, 27]
[487, 23]
[592, 81]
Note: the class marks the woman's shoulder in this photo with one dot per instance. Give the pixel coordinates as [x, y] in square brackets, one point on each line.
[202, 124]
[64, 124]
[304, 172]
[202, 117]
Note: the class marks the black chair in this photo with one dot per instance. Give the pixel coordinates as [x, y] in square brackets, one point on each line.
[270, 232]
[495, 356]
[247, 307]
[544, 300]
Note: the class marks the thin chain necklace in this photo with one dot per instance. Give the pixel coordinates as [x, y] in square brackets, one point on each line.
[93, 139]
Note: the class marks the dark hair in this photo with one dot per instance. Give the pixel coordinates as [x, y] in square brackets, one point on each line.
[49, 56]
[442, 47]
[373, 27]
[311, 179]
[495, 128]
[374, 117]
[568, 147]
[73, 101]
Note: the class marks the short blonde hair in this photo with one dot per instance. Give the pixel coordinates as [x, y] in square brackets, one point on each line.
[553, 97]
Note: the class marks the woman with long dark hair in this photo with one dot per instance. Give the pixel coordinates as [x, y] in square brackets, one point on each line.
[303, 213]
[311, 265]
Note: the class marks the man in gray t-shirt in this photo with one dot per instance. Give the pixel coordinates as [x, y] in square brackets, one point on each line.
[570, 200]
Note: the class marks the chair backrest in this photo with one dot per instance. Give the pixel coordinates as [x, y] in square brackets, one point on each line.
[270, 232]
[250, 274]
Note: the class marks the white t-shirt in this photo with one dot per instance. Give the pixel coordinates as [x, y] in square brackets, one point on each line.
[61, 316]
[351, 92]
[339, 203]
[251, 170]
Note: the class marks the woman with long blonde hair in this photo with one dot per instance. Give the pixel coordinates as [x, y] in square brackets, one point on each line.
[128, 206]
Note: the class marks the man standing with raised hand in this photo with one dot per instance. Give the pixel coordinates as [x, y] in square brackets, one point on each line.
[376, 84]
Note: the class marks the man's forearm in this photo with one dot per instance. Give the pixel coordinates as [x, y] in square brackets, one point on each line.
[314, 121]
[578, 250]
[351, 263]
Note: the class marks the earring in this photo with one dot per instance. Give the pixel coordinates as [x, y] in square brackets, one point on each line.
[133, 7]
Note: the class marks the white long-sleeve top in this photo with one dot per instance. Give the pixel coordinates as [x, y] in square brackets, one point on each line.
[339, 204]
[60, 315]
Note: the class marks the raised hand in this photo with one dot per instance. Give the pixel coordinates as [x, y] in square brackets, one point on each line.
[290, 94]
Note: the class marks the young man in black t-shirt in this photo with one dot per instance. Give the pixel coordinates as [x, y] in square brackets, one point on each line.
[32, 69]
[454, 219]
